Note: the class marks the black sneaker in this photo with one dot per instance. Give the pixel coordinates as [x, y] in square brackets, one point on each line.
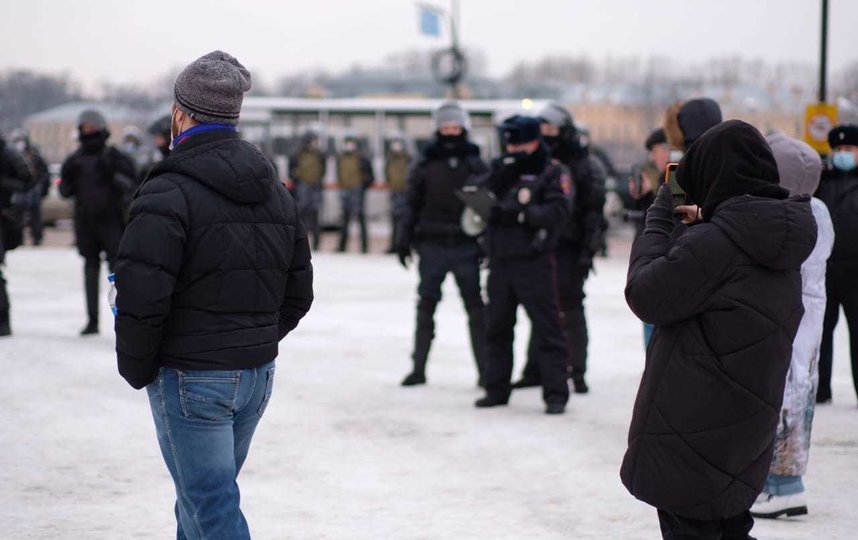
[90, 329]
[580, 386]
[413, 379]
[490, 401]
[555, 408]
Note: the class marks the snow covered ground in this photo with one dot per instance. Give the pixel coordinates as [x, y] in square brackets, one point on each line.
[343, 452]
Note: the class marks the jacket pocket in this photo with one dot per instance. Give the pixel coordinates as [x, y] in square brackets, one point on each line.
[269, 387]
[208, 395]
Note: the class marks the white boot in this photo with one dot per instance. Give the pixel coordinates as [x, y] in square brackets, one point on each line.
[772, 506]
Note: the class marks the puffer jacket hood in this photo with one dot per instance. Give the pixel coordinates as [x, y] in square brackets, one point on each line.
[777, 234]
[219, 159]
[729, 160]
[799, 165]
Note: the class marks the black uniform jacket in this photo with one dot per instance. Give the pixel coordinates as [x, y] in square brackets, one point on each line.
[214, 267]
[726, 302]
[839, 191]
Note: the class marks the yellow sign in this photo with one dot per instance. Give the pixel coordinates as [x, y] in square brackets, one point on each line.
[819, 118]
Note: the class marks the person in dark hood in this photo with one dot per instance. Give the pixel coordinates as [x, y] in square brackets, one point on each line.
[521, 240]
[839, 191]
[16, 177]
[431, 224]
[725, 299]
[213, 272]
[101, 180]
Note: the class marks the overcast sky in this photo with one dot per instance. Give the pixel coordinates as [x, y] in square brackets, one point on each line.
[134, 41]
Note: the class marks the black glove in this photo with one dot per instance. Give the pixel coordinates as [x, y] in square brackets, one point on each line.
[659, 217]
[507, 212]
[403, 246]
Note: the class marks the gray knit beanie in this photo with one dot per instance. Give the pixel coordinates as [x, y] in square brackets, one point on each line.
[212, 88]
[91, 116]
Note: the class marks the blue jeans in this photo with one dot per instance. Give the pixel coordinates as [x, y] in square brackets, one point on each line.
[783, 485]
[205, 421]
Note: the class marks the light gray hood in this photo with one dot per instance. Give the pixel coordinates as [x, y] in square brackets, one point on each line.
[799, 166]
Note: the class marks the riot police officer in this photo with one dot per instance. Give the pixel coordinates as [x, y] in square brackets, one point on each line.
[431, 223]
[307, 169]
[355, 176]
[521, 240]
[100, 178]
[396, 164]
[578, 240]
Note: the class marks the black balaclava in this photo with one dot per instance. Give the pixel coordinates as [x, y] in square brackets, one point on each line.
[94, 143]
[729, 160]
[452, 145]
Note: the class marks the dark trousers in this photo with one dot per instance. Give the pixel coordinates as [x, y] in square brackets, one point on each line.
[841, 288]
[570, 281]
[674, 527]
[33, 220]
[4, 297]
[95, 236]
[353, 206]
[531, 283]
[437, 259]
[398, 200]
[310, 199]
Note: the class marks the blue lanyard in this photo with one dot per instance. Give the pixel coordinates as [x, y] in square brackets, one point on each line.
[200, 129]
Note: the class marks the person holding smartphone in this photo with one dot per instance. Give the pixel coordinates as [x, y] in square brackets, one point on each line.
[725, 299]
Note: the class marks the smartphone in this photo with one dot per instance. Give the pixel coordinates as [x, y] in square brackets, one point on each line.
[675, 190]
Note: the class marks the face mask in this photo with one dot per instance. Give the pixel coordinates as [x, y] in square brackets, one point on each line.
[675, 155]
[844, 160]
[94, 142]
[130, 147]
[21, 146]
[174, 130]
[452, 142]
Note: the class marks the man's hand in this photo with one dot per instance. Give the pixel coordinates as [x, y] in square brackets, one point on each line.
[403, 248]
[690, 213]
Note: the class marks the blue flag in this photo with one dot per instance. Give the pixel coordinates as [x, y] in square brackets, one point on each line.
[430, 21]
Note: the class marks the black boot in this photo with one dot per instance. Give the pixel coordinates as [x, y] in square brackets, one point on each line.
[490, 401]
[5, 329]
[364, 235]
[423, 335]
[477, 330]
[576, 329]
[90, 272]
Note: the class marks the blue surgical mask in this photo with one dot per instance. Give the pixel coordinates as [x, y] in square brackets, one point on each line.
[844, 160]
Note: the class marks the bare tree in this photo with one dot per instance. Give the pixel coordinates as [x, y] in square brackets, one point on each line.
[25, 92]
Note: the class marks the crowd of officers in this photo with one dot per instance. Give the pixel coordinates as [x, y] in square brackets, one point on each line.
[538, 239]
[537, 234]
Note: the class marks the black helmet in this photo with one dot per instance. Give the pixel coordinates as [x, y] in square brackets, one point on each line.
[567, 139]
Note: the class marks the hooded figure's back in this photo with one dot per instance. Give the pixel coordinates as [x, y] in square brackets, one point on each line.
[726, 302]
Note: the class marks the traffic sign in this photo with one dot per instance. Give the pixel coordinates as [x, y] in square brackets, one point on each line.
[819, 119]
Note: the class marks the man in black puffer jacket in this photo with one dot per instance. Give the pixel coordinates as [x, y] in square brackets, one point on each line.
[213, 271]
[725, 299]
